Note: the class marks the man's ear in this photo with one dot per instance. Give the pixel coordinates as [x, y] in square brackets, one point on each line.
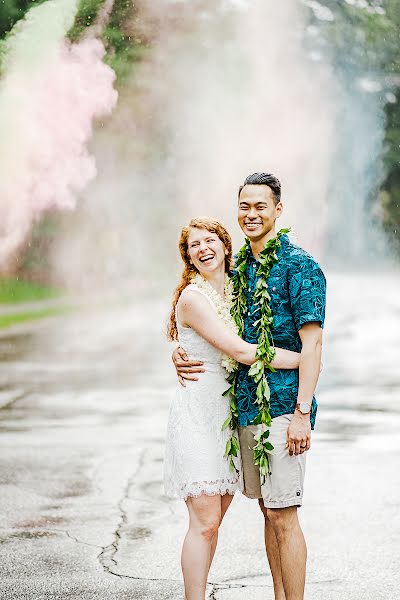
[279, 209]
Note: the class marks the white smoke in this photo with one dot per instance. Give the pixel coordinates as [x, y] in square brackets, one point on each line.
[226, 89]
[50, 93]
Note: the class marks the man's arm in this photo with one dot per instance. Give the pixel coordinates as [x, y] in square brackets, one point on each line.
[299, 431]
[186, 368]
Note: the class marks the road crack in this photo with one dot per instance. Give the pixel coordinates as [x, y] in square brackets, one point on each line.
[107, 554]
[75, 539]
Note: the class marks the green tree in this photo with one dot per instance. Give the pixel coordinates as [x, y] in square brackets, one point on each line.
[365, 38]
[124, 46]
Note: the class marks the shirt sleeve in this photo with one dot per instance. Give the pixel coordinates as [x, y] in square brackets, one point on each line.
[307, 292]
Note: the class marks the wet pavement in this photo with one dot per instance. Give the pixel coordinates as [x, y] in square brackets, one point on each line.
[84, 403]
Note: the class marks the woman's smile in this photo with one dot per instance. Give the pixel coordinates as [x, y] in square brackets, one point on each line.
[207, 258]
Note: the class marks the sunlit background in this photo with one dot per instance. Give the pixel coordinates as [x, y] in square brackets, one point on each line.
[101, 165]
[120, 121]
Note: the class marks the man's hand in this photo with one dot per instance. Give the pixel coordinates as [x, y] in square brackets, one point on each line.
[298, 436]
[185, 367]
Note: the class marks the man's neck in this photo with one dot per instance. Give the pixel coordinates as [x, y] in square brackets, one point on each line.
[259, 245]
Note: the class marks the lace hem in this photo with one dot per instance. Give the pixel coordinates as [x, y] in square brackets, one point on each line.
[202, 488]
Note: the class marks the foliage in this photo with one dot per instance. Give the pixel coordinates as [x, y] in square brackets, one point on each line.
[34, 259]
[22, 317]
[123, 51]
[365, 37]
[362, 38]
[86, 16]
[124, 48]
[265, 349]
[12, 11]
[17, 290]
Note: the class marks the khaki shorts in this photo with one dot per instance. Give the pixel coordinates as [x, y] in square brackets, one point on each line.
[284, 487]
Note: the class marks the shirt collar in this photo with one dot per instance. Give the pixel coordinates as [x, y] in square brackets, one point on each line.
[284, 242]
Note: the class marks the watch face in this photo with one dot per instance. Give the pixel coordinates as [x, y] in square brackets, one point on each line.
[304, 407]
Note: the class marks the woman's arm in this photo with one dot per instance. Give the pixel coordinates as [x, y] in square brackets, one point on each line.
[195, 311]
[286, 359]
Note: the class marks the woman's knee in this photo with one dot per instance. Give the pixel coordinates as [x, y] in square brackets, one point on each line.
[209, 527]
[205, 516]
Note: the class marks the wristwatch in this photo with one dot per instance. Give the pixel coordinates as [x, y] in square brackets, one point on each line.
[303, 407]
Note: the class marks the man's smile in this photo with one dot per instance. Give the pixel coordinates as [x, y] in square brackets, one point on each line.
[252, 225]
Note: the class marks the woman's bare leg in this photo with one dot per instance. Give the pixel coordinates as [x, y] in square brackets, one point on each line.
[225, 503]
[204, 519]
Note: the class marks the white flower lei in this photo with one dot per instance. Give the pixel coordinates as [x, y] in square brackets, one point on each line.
[223, 307]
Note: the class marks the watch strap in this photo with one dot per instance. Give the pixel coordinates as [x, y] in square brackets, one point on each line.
[299, 409]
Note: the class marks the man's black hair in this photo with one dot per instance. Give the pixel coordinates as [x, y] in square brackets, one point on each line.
[264, 179]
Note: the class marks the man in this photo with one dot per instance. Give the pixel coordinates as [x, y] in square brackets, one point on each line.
[297, 289]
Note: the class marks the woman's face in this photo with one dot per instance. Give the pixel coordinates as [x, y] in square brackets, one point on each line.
[206, 251]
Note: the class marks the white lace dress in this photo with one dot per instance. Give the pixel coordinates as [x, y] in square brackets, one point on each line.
[195, 445]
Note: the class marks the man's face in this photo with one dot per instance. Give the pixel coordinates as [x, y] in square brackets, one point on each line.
[257, 211]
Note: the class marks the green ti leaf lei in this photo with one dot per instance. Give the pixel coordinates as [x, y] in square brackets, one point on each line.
[264, 355]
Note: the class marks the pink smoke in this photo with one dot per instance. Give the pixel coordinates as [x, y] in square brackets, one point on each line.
[54, 114]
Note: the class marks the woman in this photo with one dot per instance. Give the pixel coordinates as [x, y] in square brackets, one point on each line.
[195, 467]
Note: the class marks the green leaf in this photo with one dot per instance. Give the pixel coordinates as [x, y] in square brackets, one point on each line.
[226, 423]
[229, 391]
[266, 434]
[256, 420]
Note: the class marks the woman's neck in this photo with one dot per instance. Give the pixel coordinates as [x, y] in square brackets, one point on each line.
[216, 279]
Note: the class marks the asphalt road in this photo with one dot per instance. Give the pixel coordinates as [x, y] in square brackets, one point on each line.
[84, 402]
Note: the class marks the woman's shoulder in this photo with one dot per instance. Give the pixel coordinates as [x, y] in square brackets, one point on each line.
[192, 294]
[193, 303]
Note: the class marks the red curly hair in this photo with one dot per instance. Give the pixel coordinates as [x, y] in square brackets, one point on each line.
[189, 270]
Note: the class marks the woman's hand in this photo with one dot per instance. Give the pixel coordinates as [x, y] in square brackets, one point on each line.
[185, 367]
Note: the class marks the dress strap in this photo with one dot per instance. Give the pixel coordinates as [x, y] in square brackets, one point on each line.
[192, 287]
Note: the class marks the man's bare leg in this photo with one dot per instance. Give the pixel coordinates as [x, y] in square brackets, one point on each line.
[274, 559]
[292, 550]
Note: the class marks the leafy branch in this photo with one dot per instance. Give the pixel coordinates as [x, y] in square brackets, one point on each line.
[264, 355]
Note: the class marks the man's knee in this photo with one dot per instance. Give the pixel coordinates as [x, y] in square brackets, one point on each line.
[282, 519]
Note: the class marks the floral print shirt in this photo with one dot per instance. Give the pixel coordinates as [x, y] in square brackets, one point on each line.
[297, 287]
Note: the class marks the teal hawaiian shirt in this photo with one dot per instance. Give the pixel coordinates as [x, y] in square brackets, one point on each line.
[297, 288]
